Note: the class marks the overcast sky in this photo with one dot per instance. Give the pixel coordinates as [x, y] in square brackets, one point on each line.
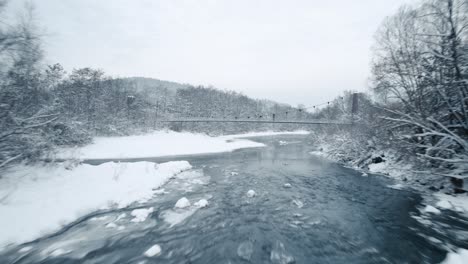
[292, 51]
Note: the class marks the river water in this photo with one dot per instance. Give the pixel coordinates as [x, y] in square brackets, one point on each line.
[305, 210]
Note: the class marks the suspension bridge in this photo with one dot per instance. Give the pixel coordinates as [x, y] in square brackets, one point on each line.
[273, 119]
[217, 120]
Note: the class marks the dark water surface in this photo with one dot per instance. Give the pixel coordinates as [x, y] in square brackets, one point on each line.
[328, 214]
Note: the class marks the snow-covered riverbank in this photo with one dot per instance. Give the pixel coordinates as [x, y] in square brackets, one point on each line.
[402, 171]
[39, 200]
[372, 160]
[36, 200]
[164, 143]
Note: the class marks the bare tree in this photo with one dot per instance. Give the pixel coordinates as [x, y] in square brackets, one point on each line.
[420, 68]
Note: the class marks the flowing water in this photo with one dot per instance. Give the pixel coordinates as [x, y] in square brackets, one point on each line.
[304, 210]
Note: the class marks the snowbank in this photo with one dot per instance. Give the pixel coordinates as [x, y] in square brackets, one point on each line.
[460, 257]
[156, 144]
[164, 143]
[39, 200]
[458, 203]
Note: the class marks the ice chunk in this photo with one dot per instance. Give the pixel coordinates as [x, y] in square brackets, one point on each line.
[251, 193]
[140, 215]
[182, 203]
[153, 251]
[431, 209]
[176, 217]
[25, 249]
[58, 252]
[121, 216]
[444, 204]
[397, 186]
[279, 255]
[298, 203]
[287, 185]
[245, 250]
[202, 203]
[111, 225]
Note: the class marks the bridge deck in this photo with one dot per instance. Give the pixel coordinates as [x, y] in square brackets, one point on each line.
[300, 122]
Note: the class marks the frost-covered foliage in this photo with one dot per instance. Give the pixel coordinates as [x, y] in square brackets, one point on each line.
[24, 108]
[420, 73]
[419, 81]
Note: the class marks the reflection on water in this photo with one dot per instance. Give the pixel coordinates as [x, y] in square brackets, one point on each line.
[305, 210]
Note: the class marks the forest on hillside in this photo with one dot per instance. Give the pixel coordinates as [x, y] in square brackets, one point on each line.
[44, 106]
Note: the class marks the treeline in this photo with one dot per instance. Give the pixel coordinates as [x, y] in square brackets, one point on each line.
[43, 107]
[420, 88]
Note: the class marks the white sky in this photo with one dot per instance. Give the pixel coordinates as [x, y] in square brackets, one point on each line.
[291, 51]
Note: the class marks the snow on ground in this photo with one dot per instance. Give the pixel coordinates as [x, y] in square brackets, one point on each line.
[459, 257]
[395, 171]
[164, 143]
[458, 203]
[38, 200]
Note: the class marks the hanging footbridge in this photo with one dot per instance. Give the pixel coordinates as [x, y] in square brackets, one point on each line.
[271, 121]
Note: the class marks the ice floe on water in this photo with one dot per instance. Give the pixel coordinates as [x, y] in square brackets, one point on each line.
[287, 185]
[298, 203]
[431, 209]
[283, 143]
[251, 193]
[182, 210]
[279, 255]
[140, 215]
[59, 252]
[202, 203]
[111, 225]
[245, 250]
[153, 251]
[175, 217]
[121, 216]
[24, 249]
[397, 186]
[182, 203]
